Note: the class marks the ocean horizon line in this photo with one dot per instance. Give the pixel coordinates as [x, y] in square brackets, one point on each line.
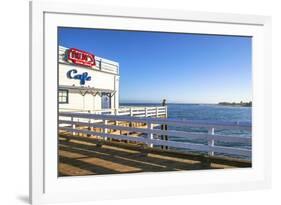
[188, 103]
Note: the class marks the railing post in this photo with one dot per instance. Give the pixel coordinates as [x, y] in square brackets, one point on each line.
[145, 109]
[150, 135]
[73, 125]
[89, 126]
[164, 126]
[78, 133]
[211, 141]
[105, 130]
[131, 114]
[116, 113]
[164, 137]
[156, 111]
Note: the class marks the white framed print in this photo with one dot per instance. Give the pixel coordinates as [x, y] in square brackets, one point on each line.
[134, 102]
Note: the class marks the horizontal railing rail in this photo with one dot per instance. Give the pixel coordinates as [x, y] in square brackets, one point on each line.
[160, 111]
[191, 135]
[83, 122]
[168, 121]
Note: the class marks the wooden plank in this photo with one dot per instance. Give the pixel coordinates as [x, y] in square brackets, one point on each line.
[70, 170]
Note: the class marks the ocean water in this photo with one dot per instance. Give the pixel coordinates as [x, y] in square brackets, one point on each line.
[207, 112]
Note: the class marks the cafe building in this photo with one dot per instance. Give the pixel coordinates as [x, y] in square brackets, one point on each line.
[86, 81]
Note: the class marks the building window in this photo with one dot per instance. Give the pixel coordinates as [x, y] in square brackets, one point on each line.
[63, 96]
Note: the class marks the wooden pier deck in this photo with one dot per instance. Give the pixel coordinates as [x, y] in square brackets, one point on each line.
[80, 156]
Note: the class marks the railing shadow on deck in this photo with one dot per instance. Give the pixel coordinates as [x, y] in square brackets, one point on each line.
[126, 162]
[82, 153]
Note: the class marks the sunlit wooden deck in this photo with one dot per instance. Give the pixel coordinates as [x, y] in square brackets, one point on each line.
[79, 156]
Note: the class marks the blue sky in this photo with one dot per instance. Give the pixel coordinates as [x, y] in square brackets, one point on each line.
[182, 68]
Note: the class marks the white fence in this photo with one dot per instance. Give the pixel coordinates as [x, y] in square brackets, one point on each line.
[159, 111]
[70, 122]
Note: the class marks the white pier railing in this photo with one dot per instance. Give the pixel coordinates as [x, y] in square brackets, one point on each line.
[85, 123]
[159, 111]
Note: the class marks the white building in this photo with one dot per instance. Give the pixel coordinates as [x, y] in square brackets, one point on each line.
[87, 82]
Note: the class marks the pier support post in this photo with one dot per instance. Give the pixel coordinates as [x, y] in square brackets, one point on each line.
[211, 141]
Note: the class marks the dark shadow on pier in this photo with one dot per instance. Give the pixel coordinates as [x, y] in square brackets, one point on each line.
[82, 156]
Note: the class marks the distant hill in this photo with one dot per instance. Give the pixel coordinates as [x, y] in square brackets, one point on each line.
[241, 104]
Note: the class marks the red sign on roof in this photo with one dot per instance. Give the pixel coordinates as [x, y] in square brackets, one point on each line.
[81, 57]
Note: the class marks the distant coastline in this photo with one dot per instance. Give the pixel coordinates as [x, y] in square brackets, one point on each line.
[235, 104]
[240, 104]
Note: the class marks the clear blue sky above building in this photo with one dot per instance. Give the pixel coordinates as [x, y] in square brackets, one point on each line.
[182, 68]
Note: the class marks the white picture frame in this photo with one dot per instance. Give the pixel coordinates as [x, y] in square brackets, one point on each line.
[46, 187]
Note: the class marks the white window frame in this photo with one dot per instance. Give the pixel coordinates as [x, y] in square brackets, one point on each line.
[66, 97]
[45, 186]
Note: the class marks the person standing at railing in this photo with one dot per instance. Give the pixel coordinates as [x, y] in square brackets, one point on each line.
[164, 127]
